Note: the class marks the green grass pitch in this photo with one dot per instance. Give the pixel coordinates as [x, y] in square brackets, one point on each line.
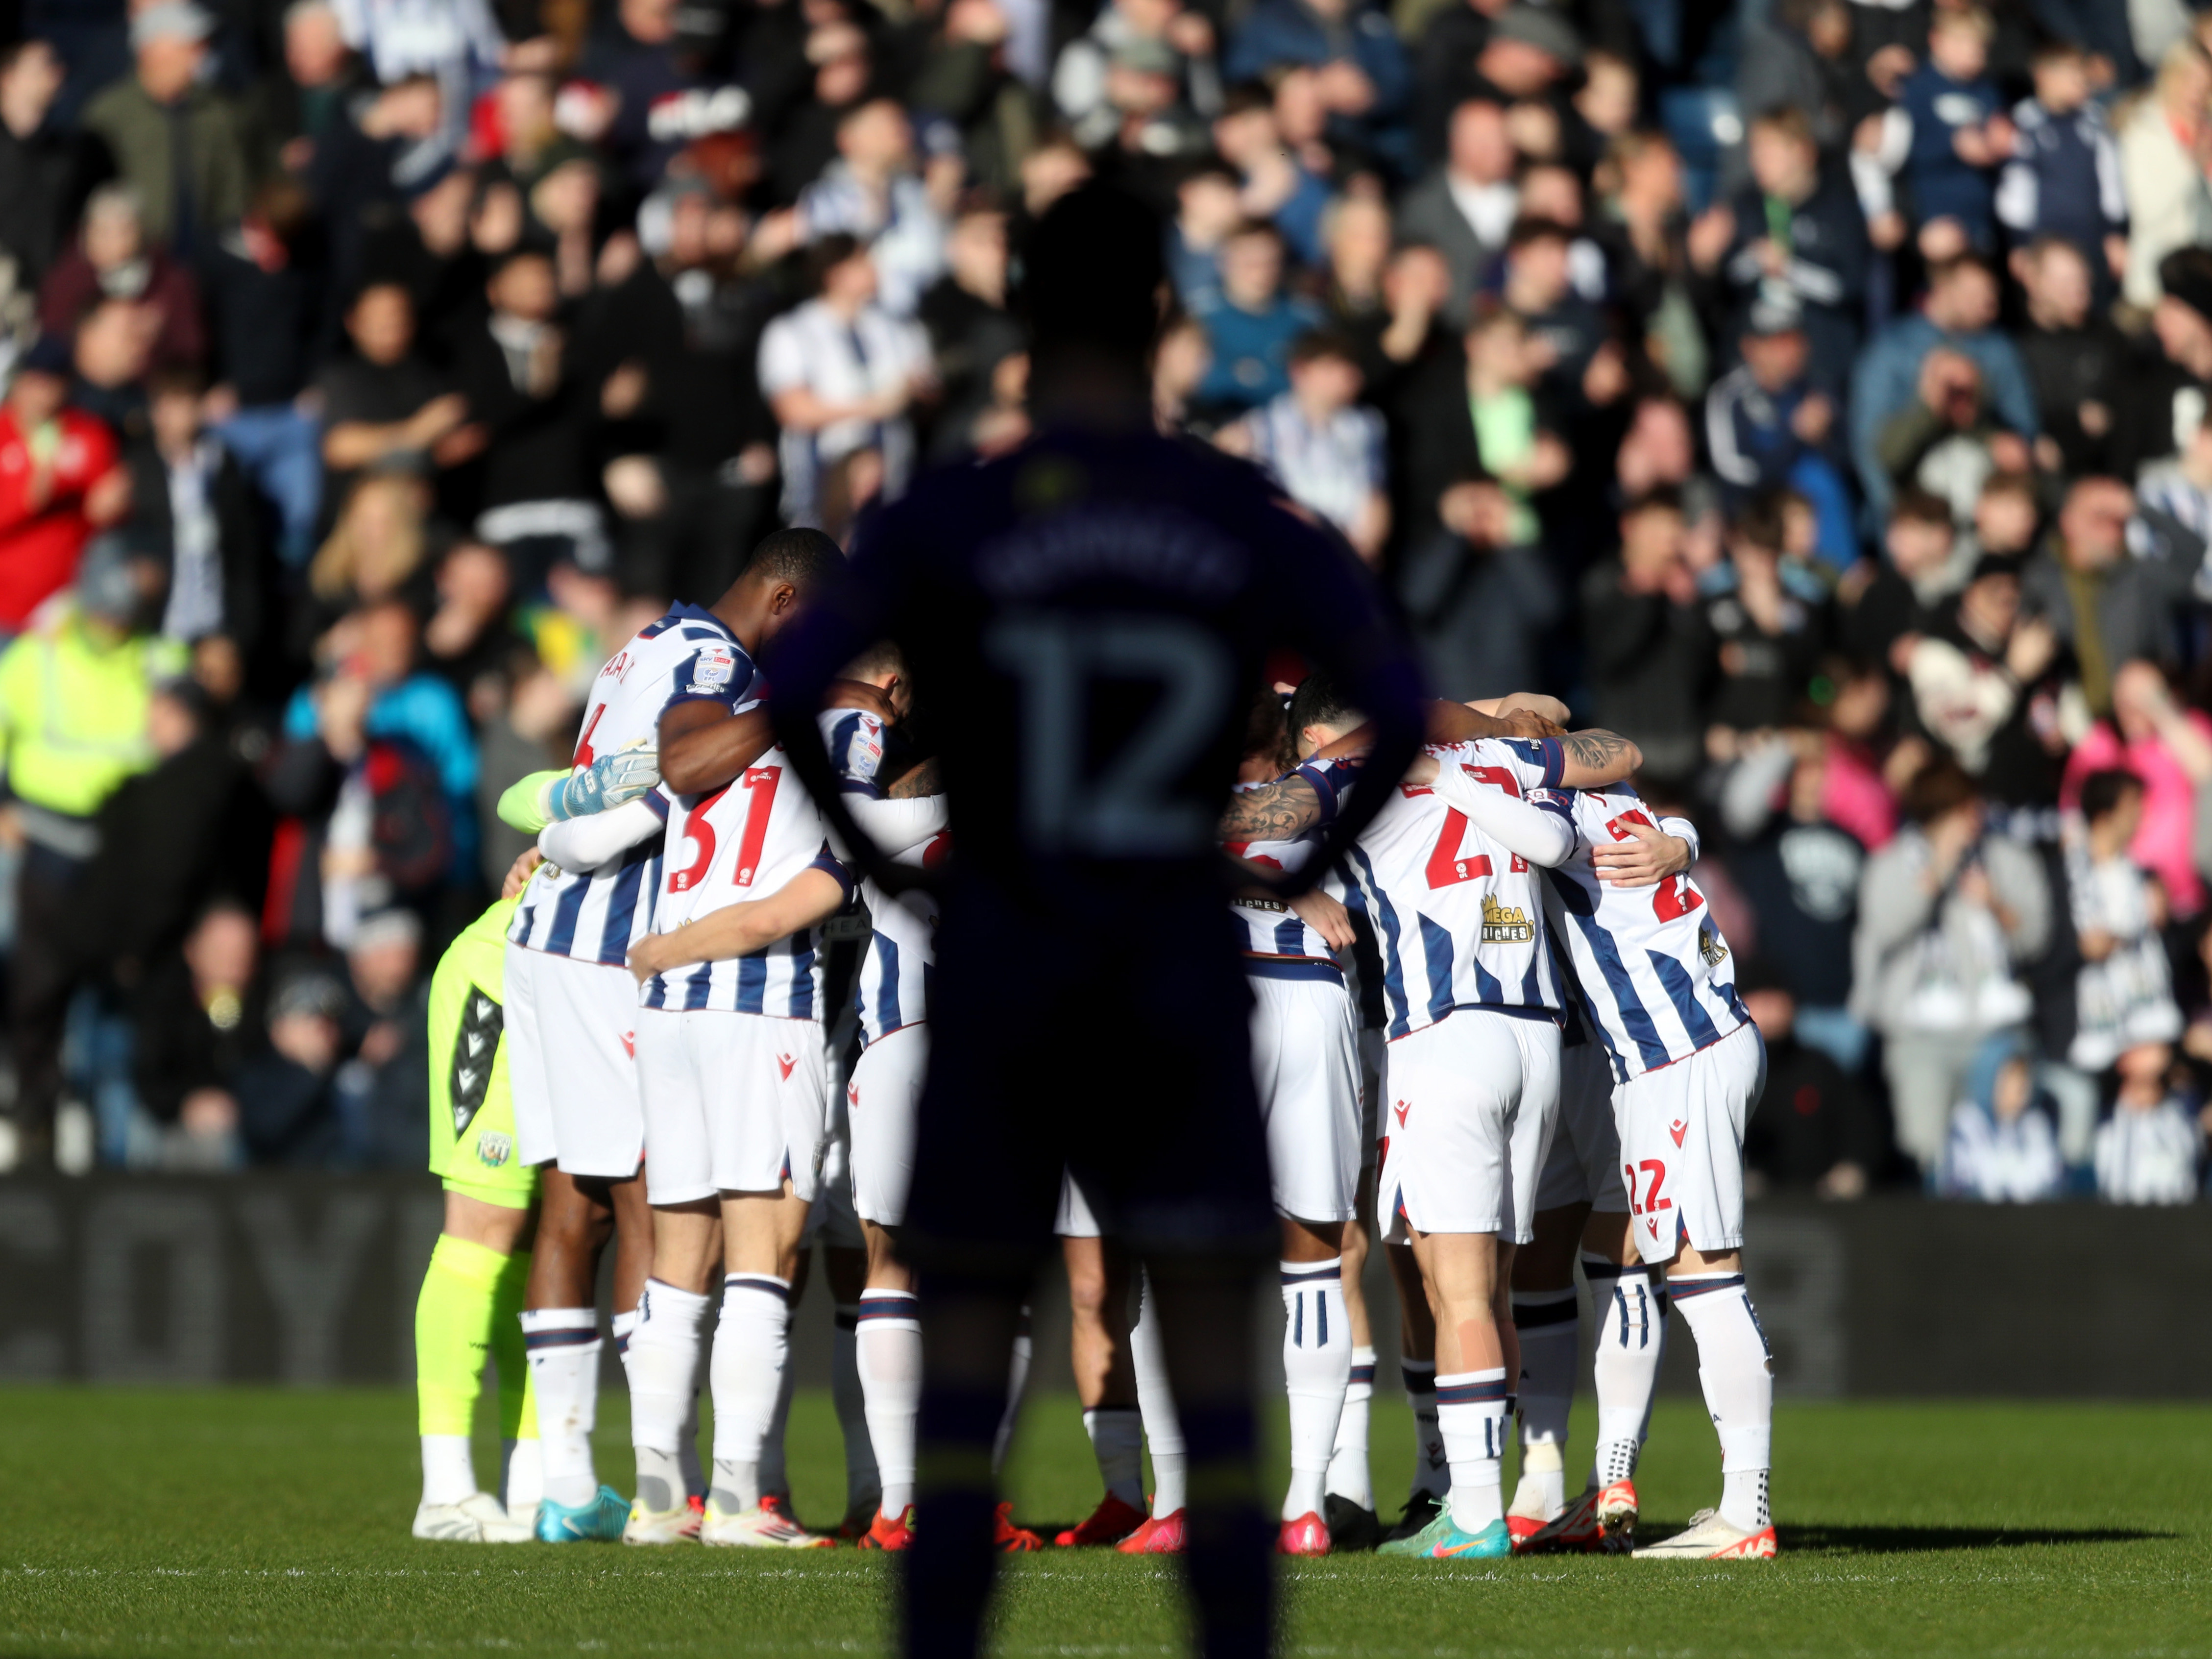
[252, 1522]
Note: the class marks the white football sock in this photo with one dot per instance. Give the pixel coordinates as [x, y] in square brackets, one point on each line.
[662, 1358]
[1117, 1440]
[1549, 1325]
[1431, 1472]
[1629, 1316]
[1734, 1369]
[1317, 1370]
[1348, 1476]
[889, 1356]
[863, 1479]
[774, 1473]
[521, 1476]
[1018, 1379]
[449, 1476]
[563, 1345]
[1156, 1404]
[751, 1345]
[1471, 1415]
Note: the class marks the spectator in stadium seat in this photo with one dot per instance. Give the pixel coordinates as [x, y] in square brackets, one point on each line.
[298, 100]
[841, 375]
[1529, 57]
[145, 116]
[1275, 186]
[2108, 606]
[2168, 393]
[197, 1017]
[1948, 133]
[1984, 687]
[1798, 57]
[1251, 331]
[287, 1103]
[1948, 441]
[873, 193]
[2149, 1150]
[973, 336]
[1922, 565]
[1082, 78]
[1793, 234]
[2169, 203]
[1362, 75]
[664, 90]
[1649, 655]
[45, 165]
[112, 261]
[1946, 913]
[59, 482]
[1465, 209]
[383, 401]
[1767, 424]
[2001, 1147]
[1960, 313]
[2169, 747]
[1770, 623]
[2063, 179]
[1320, 444]
[2080, 364]
[192, 508]
[1813, 1130]
[383, 1087]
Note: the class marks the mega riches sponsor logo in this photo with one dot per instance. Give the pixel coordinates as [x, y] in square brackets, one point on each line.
[1505, 924]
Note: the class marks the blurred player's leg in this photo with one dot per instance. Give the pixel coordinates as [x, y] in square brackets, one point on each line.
[1162, 1532]
[561, 1332]
[662, 1360]
[845, 1269]
[1628, 1306]
[1098, 1283]
[751, 1359]
[1416, 1369]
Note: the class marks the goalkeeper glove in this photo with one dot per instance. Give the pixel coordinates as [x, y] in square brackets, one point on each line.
[610, 780]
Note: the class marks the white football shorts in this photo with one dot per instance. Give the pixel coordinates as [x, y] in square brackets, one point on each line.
[570, 1026]
[1682, 1145]
[1305, 1064]
[1473, 1102]
[734, 1104]
[1584, 1166]
[879, 1104]
[1373, 1080]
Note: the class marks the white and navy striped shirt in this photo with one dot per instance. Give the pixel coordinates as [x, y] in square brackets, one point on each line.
[1332, 469]
[686, 656]
[1276, 943]
[892, 991]
[729, 846]
[1651, 961]
[1459, 918]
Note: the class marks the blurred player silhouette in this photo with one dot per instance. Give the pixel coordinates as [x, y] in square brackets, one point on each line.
[1088, 617]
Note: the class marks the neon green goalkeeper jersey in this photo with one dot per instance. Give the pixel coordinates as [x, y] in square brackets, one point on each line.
[471, 1111]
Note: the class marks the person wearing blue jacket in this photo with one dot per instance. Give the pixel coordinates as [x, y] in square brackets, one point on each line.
[1961, 312]
[1958, 133]
[1365, 80]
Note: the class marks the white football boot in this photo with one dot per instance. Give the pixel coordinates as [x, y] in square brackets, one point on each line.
[476, 1519]
[1711, 1538]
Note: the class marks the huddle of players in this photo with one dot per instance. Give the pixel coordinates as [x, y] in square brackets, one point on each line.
[1425, 1055]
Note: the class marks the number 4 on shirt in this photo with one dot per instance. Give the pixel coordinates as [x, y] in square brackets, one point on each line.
[1673, 898]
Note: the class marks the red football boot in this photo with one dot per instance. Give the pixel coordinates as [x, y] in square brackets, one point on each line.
[1110, 1523]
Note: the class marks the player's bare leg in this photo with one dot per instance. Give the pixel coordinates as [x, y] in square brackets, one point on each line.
[1162, 1532]
[845, 1267]
[1417, 1363]
[561, 1333]
[1546, 1322]
[1467, 1275]
[887, 1346]
[1348, 1505]
[1317, 1370]
[1734, 1369]
[1098, 1284]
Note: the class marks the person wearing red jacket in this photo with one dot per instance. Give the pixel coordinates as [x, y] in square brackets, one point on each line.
[59, 482]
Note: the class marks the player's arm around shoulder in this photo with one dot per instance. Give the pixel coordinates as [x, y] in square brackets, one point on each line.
[807, 900]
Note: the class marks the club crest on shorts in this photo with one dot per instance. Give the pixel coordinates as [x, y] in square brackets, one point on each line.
[494, 1151]
[1713, 947]
[474, 1046]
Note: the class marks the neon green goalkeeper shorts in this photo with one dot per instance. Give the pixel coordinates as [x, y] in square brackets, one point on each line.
[471, 1111]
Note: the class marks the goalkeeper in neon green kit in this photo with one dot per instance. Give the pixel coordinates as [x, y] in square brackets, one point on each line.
[472, 1294]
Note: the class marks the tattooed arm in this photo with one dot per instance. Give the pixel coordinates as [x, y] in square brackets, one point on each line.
[1596, 758]
[920, 780]
[1281, 811]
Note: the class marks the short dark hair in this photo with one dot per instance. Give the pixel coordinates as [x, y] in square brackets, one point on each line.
[1761, 524]
[797, 556]
[884, 657]
[826, 255]
[1922, 507]
[1530, 229]
[1317, 701]
[2103, 790]
[1323, 343]
[1092, 271]
[1939, 788]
